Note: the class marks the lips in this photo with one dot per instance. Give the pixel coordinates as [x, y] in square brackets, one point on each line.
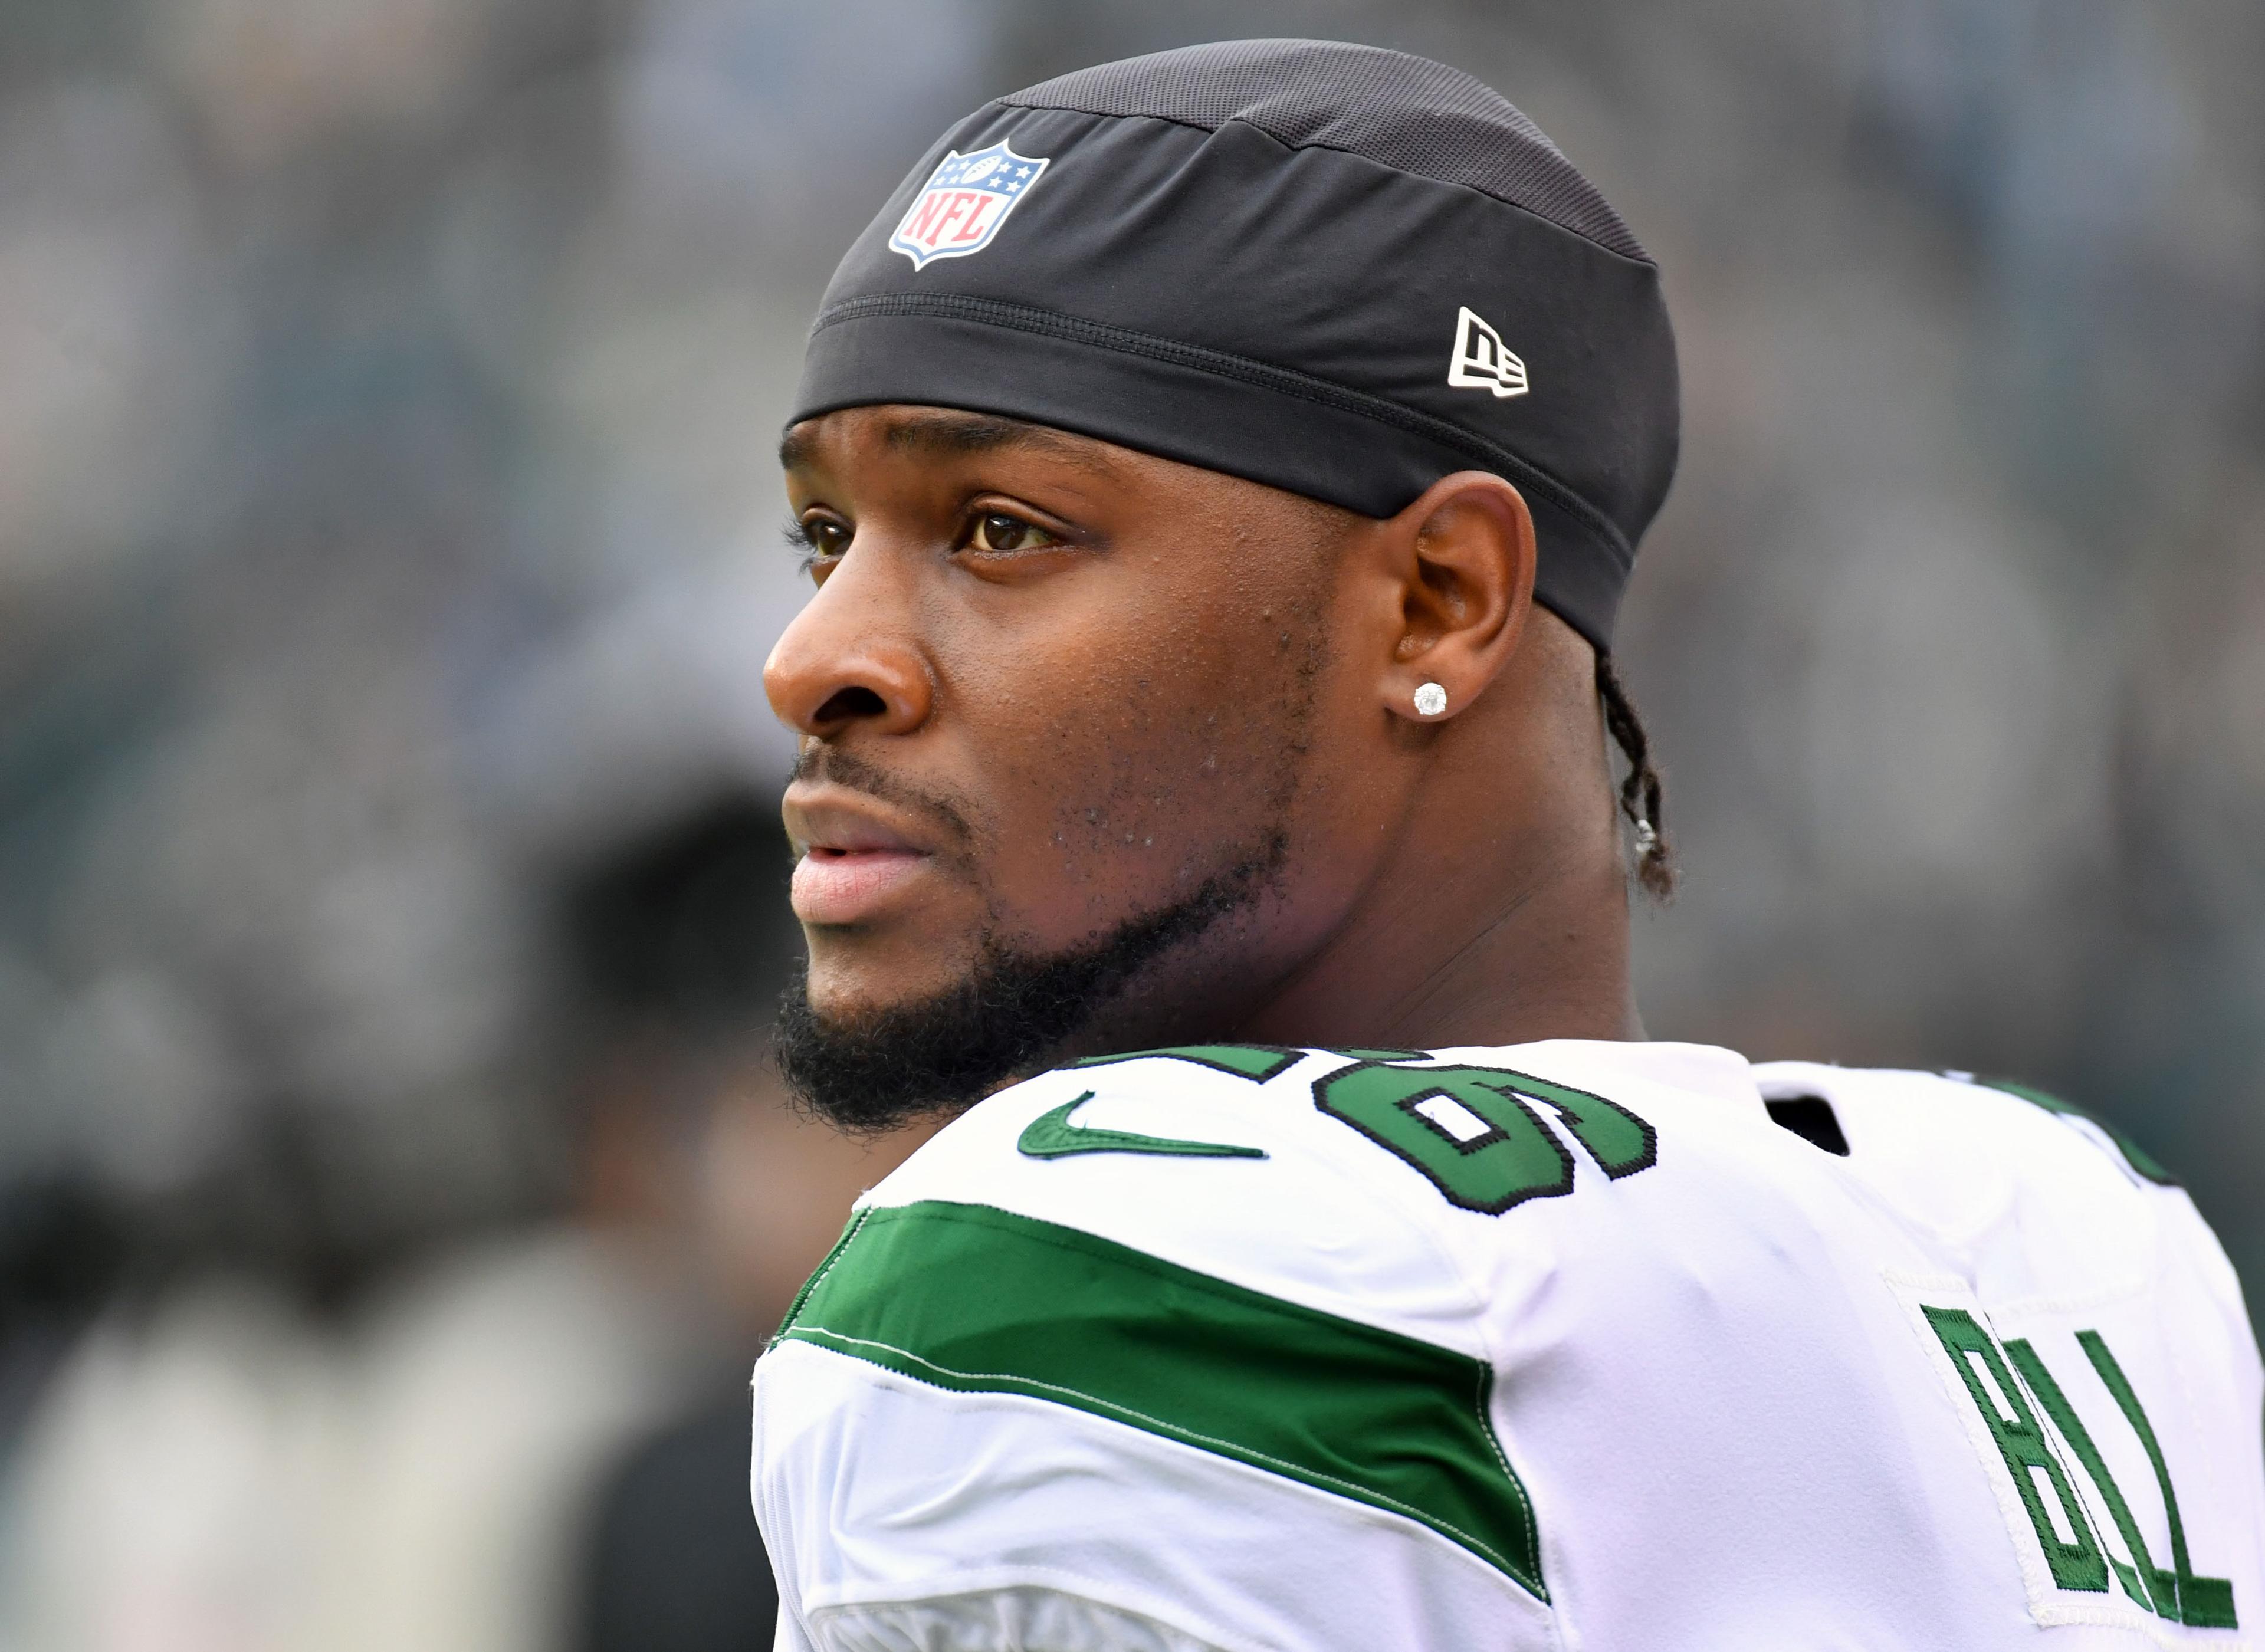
[847, 886]
[855, 859]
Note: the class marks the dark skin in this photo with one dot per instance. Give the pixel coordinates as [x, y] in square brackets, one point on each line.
[1047, 684]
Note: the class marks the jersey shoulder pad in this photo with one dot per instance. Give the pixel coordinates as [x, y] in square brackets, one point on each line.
[1981, 1115]
[1183, 1242]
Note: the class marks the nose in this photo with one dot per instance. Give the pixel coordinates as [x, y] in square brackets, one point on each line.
[849, 660]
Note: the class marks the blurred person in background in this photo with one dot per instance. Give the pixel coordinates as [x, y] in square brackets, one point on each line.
[684, 935]
[521, 1436]
[299, 1429]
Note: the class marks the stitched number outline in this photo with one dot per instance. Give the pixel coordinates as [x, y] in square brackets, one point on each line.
[1472, 1135]
[1475, 1133]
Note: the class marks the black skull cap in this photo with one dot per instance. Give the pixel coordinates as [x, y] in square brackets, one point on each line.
[1333, 269]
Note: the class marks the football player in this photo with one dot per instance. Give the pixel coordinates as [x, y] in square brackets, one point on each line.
[1218, 471]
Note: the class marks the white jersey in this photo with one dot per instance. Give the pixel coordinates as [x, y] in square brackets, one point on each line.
[1564, 1345]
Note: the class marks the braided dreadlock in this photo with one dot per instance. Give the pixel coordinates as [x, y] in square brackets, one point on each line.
[1640, 790]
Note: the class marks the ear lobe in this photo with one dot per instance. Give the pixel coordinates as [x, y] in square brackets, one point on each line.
[1466, 555]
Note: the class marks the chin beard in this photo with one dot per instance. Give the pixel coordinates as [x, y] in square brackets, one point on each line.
[940, 1054]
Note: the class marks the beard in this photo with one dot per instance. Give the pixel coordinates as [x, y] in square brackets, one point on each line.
[871, 1071]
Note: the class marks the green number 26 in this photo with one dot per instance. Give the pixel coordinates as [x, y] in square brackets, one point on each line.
[1473, 1132]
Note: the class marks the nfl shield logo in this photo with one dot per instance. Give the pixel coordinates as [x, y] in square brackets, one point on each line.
[965, 201]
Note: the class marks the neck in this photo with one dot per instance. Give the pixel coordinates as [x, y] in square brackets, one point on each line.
[1432, 963]
[1502, 914]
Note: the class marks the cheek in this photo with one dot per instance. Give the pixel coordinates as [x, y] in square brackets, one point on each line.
[1135, 751]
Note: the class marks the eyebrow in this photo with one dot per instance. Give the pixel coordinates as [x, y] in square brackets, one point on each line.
[947, 434]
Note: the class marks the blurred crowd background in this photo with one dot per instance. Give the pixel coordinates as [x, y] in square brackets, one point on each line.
[393, 1192]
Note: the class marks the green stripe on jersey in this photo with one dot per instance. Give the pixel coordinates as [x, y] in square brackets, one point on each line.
[2137, 1156]
[979, 1299]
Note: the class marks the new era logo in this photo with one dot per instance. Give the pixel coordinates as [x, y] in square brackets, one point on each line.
[1482, 361]
[966, 200]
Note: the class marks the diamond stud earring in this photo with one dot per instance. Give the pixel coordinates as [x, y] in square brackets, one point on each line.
[1431, 699]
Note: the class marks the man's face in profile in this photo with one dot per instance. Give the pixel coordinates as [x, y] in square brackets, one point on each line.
[1065, 707]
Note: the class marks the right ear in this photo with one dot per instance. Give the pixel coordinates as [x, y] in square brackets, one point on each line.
[1460, 561]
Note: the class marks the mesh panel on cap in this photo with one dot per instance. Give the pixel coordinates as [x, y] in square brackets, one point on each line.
[1406, 113]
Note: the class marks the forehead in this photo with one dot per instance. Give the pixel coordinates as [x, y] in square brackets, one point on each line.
[850, 434]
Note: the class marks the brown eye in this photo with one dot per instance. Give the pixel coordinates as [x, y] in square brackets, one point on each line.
[995, 530]
[826, 536]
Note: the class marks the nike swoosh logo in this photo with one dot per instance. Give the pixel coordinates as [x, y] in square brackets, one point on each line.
[1052, 1136]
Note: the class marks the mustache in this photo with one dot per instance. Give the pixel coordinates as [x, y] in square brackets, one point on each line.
[819, 762]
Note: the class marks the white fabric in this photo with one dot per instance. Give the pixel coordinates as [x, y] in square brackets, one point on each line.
[1712, 1378]
[1003, 1492]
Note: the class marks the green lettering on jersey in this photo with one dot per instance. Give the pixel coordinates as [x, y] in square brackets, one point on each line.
[2138, 1584]
[2076, 1563]
[2205, 1602]
[1471, 1132]
[2177, 1594]
[979, 1299]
